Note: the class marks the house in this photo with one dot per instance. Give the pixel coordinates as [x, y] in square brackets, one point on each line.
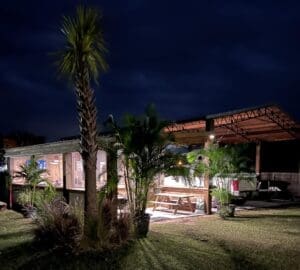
[258, 126]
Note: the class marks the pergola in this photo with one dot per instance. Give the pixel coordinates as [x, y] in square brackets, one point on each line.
[266, 123]
[258, 124]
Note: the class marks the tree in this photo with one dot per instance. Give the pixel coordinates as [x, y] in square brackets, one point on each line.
[145, 155]
[33, 176]
[83, 60]
[223, 163]
[24, 138]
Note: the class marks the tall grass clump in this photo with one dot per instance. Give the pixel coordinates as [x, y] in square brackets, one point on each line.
[58, 225]
[108, 231]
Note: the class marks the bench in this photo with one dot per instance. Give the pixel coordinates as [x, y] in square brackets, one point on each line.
[158, 203]
[174, 200]
[166, 203]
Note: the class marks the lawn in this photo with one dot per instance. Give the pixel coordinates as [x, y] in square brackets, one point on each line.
[260, 239]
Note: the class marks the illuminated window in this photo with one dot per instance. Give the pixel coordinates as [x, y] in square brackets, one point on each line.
[52, 163]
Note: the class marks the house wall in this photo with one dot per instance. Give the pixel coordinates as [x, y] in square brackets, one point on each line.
[53, 163]
[68, 166]
[55, 166]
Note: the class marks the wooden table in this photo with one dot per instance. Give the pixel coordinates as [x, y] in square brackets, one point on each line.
[173, 199]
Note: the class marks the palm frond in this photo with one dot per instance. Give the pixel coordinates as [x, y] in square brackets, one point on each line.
[84, 44]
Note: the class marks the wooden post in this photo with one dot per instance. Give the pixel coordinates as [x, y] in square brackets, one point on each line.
[258, 159]
[207, 196]
[10, 188]
[65, 189]
[209, 127]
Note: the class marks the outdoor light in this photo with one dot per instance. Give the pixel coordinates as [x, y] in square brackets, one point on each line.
[179, 163]
[212, 136]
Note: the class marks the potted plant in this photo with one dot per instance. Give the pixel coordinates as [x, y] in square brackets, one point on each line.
[223, 197]
[222, 164]
[30, 196]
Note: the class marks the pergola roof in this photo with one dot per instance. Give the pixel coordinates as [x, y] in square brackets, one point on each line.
[264, 123]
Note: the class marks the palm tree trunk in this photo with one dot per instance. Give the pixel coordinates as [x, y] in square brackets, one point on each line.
[90, 198]
[32, 198]
[128, 186]
[87, 113]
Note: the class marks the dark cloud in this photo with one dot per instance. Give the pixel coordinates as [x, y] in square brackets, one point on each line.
[189, 58]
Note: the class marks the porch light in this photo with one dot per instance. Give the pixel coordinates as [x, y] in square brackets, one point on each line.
[212, 136]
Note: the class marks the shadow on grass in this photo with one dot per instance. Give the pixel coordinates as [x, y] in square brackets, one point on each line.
[168, 251]
[265, 216]
[5, 236]
[33, 256]
[240, 261]
[159, 251]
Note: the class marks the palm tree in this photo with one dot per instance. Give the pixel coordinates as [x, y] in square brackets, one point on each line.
[145, 150]
[83, 60]
[32, 175]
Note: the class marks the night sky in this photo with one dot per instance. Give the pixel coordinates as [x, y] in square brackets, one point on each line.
[189, 58]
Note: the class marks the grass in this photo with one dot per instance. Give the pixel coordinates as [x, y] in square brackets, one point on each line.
[14, 230]
[260, 239]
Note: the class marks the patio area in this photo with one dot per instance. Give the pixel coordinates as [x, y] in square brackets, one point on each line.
[164, 214]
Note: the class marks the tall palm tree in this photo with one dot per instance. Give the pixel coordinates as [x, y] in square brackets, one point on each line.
[83, 60]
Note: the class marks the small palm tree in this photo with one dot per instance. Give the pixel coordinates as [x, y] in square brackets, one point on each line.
[32, 175]
[83, 60]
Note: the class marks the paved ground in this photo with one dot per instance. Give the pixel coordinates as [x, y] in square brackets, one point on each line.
[163, 214]
[270, 204]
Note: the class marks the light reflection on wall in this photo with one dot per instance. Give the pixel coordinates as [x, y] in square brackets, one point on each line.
[75, 173]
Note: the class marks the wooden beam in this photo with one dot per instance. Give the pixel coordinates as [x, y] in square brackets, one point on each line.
[258, 159]
[65, 189]
[207, 196]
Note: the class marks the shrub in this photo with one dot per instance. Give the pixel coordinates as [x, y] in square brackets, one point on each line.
[223, 198]
[123, 228]
[58, 226]
[222, 195]
[106, 231]
[24, 197]
[30, 204]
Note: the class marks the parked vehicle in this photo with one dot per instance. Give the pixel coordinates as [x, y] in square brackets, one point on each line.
[243, 187]
[274, 189]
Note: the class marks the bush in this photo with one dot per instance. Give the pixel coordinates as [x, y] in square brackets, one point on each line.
[45, 195]
[58, 226]
[123, 227]
[106, 231]
[30, 203]
[24, 197]
[223, 198]
[222, 195]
